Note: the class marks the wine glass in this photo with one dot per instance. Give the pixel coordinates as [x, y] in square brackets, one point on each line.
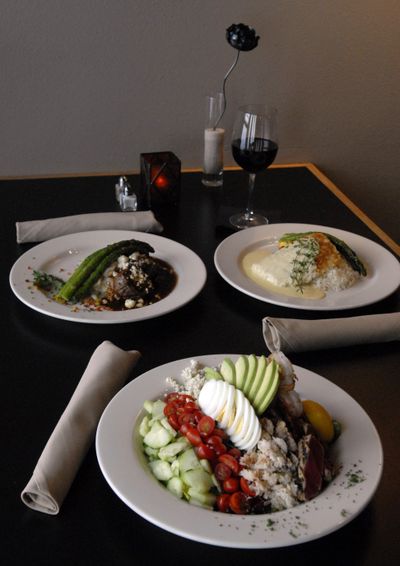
[254, 148]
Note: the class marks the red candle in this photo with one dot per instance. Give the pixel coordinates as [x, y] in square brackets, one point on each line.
[161, 182]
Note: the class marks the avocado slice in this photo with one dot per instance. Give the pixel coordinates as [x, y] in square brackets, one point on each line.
[251, 372]
[268, 389]
[228, 371]
[241, 368]
[257, 380]
[211, 373]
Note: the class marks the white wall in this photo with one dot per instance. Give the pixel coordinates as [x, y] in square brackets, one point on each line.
[87, 85]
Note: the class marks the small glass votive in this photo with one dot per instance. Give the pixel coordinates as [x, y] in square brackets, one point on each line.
[213, 163]
[160, 178]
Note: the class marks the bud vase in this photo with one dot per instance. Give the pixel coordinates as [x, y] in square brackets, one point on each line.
[213, 142]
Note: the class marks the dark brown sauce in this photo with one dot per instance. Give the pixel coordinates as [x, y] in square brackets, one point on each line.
[163, 278]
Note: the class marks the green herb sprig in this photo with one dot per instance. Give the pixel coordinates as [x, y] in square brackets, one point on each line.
[307, 249]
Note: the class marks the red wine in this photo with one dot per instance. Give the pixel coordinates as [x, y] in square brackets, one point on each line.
[254, 155]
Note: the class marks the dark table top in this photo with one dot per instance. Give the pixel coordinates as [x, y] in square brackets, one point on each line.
[43, 359]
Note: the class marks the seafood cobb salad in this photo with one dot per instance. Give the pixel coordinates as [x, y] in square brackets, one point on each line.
[238, 438]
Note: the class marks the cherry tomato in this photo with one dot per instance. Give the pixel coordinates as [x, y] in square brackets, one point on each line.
[213, 440]
[206, 425]
[222, 472]
[172, 397]
[205, 452]
[189, 407]
[235, 452]
[186, 418]
[244, 486]
[184, 427]
[193, 436]
[170, 408]
[173, 421]
[221, 433]
[223, 500]
[180, 411]
[198, 415]
[230, 485]
[231, 462]
[238, 502]
[216, 444]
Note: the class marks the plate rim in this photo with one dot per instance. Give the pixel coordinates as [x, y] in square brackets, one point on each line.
[235, 522]
[253, 290]
[170, 303]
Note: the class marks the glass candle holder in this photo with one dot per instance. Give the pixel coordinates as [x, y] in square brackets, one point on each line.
[160, 177]
[213, 163]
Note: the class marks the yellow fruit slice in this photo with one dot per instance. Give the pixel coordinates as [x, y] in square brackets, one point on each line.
[320, 420]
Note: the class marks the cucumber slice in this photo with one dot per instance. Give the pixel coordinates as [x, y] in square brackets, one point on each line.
[205, 464]
[161, 470]
[199, 479]
[168, 427]
[202, 499]
[175, 468]
[170, 451]
[175, 486]
[157, 410]
[151, 452]
[158, 436]
[188, 460]
[216, 483]
[144, 426]
[148, 406]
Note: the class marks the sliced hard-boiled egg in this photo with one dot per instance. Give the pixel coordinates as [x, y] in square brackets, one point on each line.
[228, 409]
[232, 410]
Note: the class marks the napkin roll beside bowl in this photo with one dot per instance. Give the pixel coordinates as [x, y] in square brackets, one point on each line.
[107, 371]
[295, 335]
[42, 230]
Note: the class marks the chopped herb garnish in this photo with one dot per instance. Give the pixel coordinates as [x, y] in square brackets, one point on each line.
[47, 282]
[354, 478]
[307, 250]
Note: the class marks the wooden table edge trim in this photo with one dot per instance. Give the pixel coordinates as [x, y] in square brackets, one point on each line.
[310, 166]
[354, 208]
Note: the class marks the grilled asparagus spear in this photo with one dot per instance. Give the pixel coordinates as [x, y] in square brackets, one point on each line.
[91, 268]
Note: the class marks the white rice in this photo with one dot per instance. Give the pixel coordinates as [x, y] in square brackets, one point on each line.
[337, 278]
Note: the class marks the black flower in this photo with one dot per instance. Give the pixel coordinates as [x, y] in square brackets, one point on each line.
[242, 37]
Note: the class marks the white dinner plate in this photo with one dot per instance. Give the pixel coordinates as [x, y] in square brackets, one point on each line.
[358, 450]
[60, 256]
[383, 268]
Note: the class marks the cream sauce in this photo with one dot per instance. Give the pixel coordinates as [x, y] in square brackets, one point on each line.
[255, 257]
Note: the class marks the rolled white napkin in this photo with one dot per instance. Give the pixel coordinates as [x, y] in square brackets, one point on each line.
[295, 335]
[41, 230]
[107, 371]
